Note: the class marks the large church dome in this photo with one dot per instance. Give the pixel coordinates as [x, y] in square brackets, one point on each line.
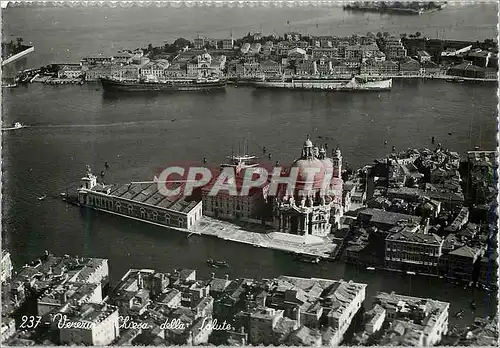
[310, 169]
[309, 165]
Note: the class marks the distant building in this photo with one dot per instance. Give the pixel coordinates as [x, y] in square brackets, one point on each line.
[297, 53]
[409, 67]
[228, 44]
[99, 325]
[257, 36]
[315, 205]
[467, 69]
[361, 51]
[69, 71]
[6, 266]
[205, 65]
[373, 67]
[93, 73]
[393, 48]
[55, 298]
[255, 48]
[139, 201]
[413, 251]
[328, 52]
[199, 42]
[8, 329]
[374, 319]
[126, 72]
[429, 67]
[154, 69]
[385, 220]
[415, 321]
[293, 36]
[245, 48]
[462, 262]
[123, 58]
[322, 66]
[250, 207]
[423, 56]
[97, 60]
[263, 322]
[488, 269]
[290, 309]
[270, 68]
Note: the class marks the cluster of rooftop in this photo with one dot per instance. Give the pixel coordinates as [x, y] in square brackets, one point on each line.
[148, 307]
[51, 285]
[416, 217]
[294, 54]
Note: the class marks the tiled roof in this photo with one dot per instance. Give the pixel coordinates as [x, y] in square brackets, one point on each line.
[466, 251]
[148, 193]
[405, 236]
[382, 216]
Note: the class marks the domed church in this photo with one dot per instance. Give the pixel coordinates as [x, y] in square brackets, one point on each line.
[315, 205]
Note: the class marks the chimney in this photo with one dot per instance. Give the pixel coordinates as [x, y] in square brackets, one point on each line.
[297, 315]
[487, 60]
[213, 275]
[227, 277]
[139, 280]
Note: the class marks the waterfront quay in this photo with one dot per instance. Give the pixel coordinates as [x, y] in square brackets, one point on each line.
[262, 237]
[151, 307]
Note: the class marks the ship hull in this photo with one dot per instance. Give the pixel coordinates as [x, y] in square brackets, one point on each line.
[334, 85]
[181, 86]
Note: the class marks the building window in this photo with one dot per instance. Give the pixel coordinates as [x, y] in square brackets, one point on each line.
[130, 209]
[118, 206]
[155, 216]
[167, 219]
[143, 213]
[181, 222]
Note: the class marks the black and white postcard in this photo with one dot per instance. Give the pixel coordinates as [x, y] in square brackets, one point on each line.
[227, 173]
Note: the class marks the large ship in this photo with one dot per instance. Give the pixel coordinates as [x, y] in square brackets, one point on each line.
[356, 83]
[178, 84]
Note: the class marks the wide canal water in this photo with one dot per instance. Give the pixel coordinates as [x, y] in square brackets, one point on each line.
[71, 126]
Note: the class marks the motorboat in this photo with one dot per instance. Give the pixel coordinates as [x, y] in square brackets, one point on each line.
[308, 259]
[217, 263]
[17, 125]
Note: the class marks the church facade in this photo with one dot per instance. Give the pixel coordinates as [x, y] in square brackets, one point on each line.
[315, 204]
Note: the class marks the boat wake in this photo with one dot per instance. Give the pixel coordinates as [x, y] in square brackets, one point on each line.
[117, 124]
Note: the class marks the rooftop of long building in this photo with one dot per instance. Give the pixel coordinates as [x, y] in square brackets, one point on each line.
[149, 194]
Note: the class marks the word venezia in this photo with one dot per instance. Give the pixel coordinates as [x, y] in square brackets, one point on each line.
[127, 323]
[180, 181]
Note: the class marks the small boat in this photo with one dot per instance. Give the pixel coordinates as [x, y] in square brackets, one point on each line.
[370, 268]
[217, 264]
[41, 198]
[17, 125]
[459, 314]
[308, 259]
